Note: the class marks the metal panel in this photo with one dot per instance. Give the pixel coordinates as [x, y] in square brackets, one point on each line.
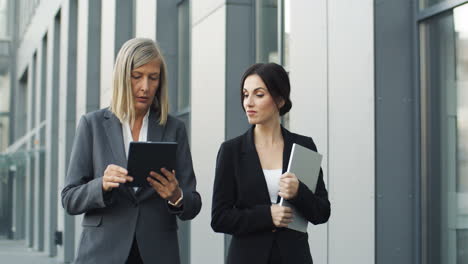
[167, 37]
[93, 66]
[124, 23]
[20, 175]
[13, 5]
[417, 246]
[51, 139]
[351, 131]
[207, 111]
[38, 144]
[68, 114]
[240, 54]
[309, 94]
[397, 239]
[30, 163]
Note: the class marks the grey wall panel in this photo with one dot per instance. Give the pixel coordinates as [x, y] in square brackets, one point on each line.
[309, 115]
[351, 131]
[19, 118]
[31, 164]
[51, 175]
[93, 74]
[39, 140]
[240, 54]
[69, 105]
[14, 84]
[167, 37]
[396, 165]
[124, 23]
[208, 73]
[20, 123]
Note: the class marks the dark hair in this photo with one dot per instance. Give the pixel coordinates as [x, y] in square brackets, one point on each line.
[275, 78]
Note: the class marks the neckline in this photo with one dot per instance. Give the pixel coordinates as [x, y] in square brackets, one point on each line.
[272, 170]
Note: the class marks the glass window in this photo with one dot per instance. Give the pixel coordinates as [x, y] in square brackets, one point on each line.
[428, 3]
[4, 32]
[286, 33]
[183, 51]
[4, 108]
[272, 16]
[266, 31]
[272, 30]
[444, 117]
[286, 24]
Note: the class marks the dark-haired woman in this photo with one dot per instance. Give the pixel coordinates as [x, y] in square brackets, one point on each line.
[251, 174]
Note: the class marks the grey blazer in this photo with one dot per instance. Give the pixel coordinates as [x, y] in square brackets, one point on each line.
[113, 219]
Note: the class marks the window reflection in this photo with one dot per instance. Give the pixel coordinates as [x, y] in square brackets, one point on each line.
[428, 3]
[286, 33]
[267, 31]
[444, 79]
[183, 51]
[461, 31]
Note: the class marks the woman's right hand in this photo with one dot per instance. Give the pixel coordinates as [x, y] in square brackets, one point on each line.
[113, 176]
[281, 215]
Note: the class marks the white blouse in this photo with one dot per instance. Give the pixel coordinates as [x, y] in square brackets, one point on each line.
[272, 178]
[127, 135]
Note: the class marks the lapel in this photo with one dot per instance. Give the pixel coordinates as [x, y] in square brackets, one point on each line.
[288, 141]
[155, 134]
[113, 129]
[252, 168]
[250, 158]
[155, 130]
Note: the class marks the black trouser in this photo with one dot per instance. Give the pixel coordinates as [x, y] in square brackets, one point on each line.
[275, 257]
[134, 255]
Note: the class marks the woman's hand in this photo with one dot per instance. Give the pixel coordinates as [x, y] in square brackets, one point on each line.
[167, 187]
[113, 176]
[281, 215]
[289, 184]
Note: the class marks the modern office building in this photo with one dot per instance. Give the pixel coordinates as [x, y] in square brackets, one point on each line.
[380, 85]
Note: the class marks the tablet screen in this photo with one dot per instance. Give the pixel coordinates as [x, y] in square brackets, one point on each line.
[144, 157]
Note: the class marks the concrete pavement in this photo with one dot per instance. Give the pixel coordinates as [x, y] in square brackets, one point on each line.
[16, 252]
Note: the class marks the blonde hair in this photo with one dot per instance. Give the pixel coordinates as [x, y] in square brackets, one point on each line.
[134, 54]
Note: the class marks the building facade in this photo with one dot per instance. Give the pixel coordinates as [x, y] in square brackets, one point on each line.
[379, 85]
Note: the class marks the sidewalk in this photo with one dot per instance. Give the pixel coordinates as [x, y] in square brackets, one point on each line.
[15, 251]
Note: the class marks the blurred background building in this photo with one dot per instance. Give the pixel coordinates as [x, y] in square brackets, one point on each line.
[381, 86]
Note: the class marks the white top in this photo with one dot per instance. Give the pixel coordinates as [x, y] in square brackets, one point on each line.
[127, 135]
[272, 178]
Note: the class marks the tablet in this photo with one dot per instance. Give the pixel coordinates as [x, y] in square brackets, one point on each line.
[144, 157]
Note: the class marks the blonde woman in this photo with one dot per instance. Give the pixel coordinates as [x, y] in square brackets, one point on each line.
[123, 224]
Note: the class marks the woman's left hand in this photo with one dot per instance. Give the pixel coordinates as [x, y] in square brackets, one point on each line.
[167, 187]
[289, 184]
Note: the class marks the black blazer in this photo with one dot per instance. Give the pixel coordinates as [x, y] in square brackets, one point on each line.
[241, 203]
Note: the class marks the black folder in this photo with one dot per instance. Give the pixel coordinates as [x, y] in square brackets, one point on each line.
[144, 157]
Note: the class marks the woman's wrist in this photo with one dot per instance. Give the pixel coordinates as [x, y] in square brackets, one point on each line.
[176, 200]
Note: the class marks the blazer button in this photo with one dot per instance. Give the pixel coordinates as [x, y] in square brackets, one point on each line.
[274, 230]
